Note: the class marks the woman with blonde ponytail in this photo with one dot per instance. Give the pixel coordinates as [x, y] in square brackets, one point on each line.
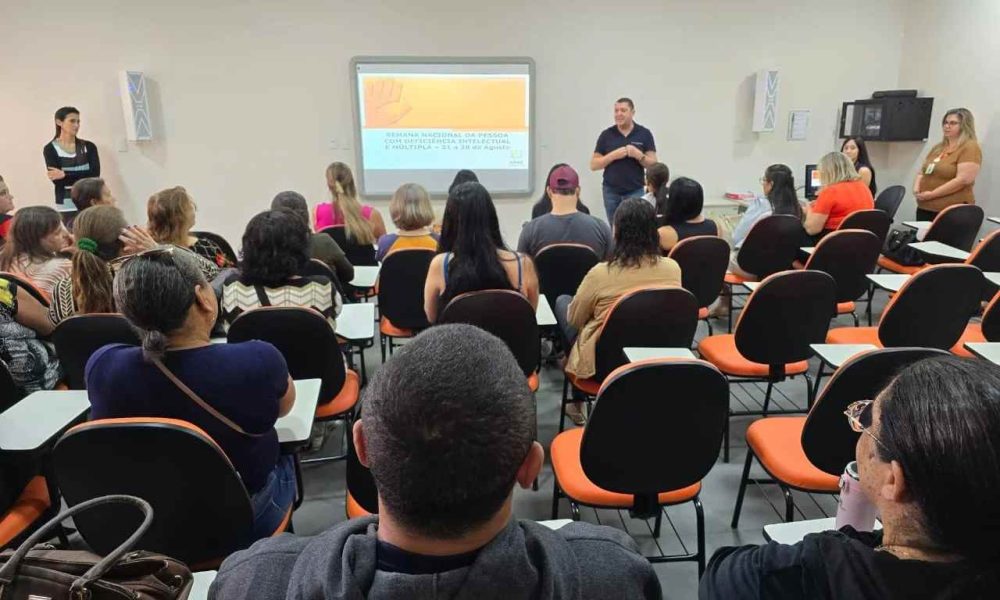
[363, 222]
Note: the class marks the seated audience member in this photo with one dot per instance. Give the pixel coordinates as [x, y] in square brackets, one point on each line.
[411, 212]
[163, 293]
[91, 191]
[856, 151]
[544, 204]
[657, 178]
[453, 396]
[473, 255]
[171, 217]
[6, 208]
[679, 206]
[34, 246]
[321, 246]
[31, 361]
[463, 176]
[565, 224]
[275, 250]
[779, 198]
[635, 262]
[927, 458]
[842, 193]
[101, 235]
[363, 223]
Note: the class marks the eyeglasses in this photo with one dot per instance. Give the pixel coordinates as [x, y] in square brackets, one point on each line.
[953, 123]
[859, 415]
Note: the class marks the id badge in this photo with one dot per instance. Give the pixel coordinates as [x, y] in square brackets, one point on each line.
[930, 168]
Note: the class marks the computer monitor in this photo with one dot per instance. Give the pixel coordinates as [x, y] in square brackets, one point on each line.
[812, 181]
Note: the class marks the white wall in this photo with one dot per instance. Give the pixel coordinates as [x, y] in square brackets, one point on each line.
[248, 95]
[951, 52]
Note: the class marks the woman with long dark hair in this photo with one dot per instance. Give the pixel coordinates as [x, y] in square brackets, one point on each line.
[855, 149]
[69, 159]
[928, 456]
[544, 204]
[472, 255]
[34, 245]
[679, 206]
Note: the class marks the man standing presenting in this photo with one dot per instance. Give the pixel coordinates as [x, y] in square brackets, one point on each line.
[623, 151]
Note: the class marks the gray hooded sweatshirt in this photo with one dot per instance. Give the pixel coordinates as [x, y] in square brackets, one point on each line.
[525, 560]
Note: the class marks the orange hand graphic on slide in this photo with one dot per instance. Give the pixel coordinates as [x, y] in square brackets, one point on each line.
[382, 105]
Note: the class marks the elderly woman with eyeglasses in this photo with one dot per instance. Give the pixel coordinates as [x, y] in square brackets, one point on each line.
[929, 460]
[164, 295]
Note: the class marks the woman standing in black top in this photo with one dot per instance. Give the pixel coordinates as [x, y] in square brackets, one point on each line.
[67, 157]
[855, 149]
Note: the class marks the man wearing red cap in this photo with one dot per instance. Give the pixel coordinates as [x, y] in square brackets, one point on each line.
[623, 151]
[565, 224]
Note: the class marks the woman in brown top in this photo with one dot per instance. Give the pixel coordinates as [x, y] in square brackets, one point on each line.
[950, 169]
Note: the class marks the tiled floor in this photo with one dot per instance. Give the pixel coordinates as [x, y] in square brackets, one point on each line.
[324, 487]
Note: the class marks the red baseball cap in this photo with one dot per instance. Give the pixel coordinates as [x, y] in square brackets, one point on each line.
[564, 178]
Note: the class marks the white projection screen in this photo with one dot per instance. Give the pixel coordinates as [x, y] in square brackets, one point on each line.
[421, 120]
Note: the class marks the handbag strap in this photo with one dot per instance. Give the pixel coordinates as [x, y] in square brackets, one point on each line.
[9, 571]
[262, 295]
[204, 405]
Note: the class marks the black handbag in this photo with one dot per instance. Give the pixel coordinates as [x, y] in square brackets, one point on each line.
[897, 248]
[38, 571]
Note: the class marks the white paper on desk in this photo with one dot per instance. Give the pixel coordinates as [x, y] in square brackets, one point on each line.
[922, 232]
[798, 125]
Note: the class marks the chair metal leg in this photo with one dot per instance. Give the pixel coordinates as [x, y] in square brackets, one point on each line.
[725, 437]
[730, 299]
[811, 390]
[555, 499]
[856, 322]
[700, 514]
[382, 341]
[575, 510]
[871, 293]
[767, 396]
[815, 389]
[743, 489]
[562, 409]
[657, 523]
[364, 369]
[789, 505]
[710, 330]
[300, 492]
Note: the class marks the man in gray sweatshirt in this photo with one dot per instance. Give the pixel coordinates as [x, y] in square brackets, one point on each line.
[447, 428]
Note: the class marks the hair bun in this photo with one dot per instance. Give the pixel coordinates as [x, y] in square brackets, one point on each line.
[87, 245]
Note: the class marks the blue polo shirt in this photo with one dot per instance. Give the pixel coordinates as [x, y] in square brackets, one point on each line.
[625, 175]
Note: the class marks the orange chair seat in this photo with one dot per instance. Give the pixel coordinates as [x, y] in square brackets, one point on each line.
[345, 400]
[702, 313]
[887, 263]
[777, 442]
[587, 386]
[533, 382]
[733, 278]
[578, 487]
[720, 350]
[845, 308]
[386, 327]
[798, 265]
[28, 508]
[354, 509]
[973, 333]
[853, 335]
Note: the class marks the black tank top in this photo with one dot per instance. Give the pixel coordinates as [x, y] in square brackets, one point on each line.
[686, 230]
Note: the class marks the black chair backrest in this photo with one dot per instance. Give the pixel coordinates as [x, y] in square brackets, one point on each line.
[561, 268]
[221, 242]
[986, 254]
[202, 511]
[27, 285]
[315, 266]
[956, 226]
[657, 426]
[78, 337]
[932, 308]
[703, 260]
[873, 220]
[784, 315]
[889, 199]
[401, 287]
[991, 320]
[827, 439]
[504, 313]
[771, 246]
[10, 394]
[655, 317]
[359, 255]
[303, 337]
[847, 255]
[360, 483]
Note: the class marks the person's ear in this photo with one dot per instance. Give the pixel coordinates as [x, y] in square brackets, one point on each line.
[531, 466]
[360, 445]
[205, 297]
[548, 191]
[894, 484]
[577, 192]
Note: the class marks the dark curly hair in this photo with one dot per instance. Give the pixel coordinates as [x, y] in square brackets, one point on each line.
[275, 248]
[636, 239]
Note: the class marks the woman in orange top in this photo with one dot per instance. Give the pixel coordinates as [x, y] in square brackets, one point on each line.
[843, 192]
[950, 169]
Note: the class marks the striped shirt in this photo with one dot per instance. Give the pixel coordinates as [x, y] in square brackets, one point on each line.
[315, 292]
[83, 162]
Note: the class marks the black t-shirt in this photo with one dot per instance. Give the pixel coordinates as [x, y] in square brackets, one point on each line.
[625, 175]
[832, 565]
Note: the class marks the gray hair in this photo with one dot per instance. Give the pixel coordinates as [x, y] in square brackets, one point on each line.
[293, 201]
[154, 290]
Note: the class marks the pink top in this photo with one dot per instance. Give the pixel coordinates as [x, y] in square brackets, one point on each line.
[327, 216]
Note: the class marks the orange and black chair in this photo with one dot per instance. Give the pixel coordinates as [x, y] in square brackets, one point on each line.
[311, 350]
[704, 260]
[956, 226]
[787, 313]
[28, 285]
[771, 246]
[316, 267]
[506, 314]
[561, 268]
[931, 310]
[809, 453]
[652, 437]
[401, 295]
[654, 317]
[889, 199]
[357, 254]
[988, 330]
[873, 220]
[80, 336]
[847, 255]
[203, 512]
[226, 247]
[29, 510]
